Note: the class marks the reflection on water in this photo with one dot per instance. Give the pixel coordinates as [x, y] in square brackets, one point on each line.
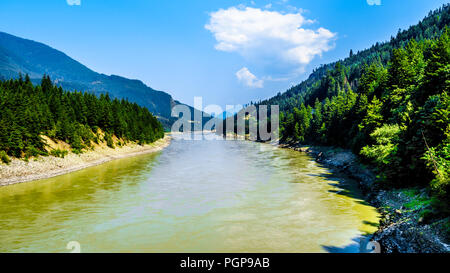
[195, 196]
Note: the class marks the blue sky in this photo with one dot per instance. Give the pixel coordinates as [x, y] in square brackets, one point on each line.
[227, 51]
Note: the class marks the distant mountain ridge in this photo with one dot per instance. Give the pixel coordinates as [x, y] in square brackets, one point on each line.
[18, 55]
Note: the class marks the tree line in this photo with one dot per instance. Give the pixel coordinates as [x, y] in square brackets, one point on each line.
[27, 112]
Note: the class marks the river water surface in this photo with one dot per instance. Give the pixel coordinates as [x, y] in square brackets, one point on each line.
[194, 196]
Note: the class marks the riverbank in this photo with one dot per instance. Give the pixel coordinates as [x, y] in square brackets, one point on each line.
[407, 224]
[20, 171]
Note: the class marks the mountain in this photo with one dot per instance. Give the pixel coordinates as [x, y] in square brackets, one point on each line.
[389, 104]
[24, 56]
[316, 86]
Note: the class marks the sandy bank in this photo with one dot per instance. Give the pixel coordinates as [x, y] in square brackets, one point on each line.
[19, 171]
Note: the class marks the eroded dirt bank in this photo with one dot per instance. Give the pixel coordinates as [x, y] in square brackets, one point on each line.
[19, 171]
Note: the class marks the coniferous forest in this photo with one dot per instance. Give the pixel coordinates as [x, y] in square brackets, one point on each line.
[27, 112]
[392, 116]
[389, 104]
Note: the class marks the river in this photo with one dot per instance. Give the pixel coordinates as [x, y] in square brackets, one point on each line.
[194, 196]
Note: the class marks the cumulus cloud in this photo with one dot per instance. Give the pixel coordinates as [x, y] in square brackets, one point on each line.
[374, 2]
[269, 35]
[73, 2]
[246, 77]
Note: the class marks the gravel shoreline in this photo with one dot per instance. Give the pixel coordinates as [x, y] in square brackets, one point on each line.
[19, 171]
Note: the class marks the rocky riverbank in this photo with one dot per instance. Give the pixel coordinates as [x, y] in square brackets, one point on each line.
[19, 171]
[408, 224]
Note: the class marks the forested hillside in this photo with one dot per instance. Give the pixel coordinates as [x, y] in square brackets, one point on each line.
[27, 112]
[323, 82]
[389, 104]
[398, 117]
[24, 56]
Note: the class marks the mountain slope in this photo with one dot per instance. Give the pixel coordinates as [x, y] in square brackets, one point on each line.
[390, 104]
[431, 27]
[24, 56]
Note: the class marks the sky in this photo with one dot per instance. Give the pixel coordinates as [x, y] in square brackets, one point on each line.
[227, 52]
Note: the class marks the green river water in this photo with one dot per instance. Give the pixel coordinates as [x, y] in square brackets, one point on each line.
[194, 196]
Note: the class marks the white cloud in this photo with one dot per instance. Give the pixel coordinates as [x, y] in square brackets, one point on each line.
[269, 35]
[374, 2]
[73, 2]
[246, 77]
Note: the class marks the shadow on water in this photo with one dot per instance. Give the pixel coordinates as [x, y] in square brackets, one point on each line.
[359, 245]
[344, 185]
[349, 187]
[354, 247]
[373, 224]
